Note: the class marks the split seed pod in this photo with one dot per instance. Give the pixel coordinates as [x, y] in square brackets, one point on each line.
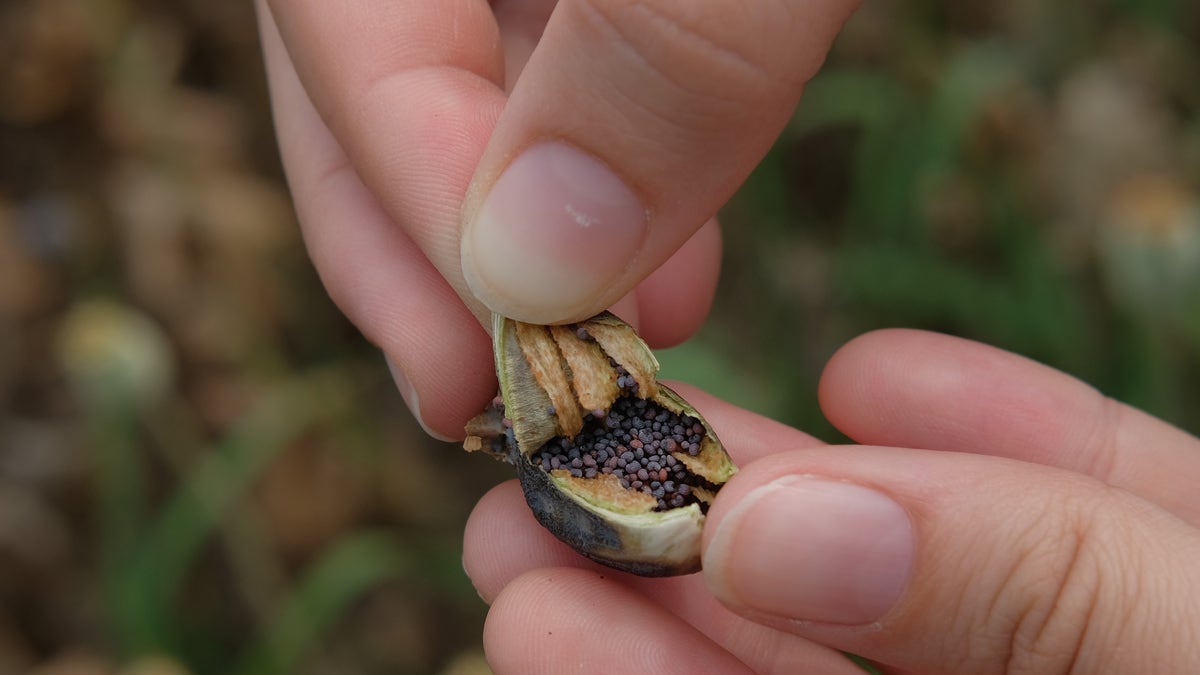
[613, 463]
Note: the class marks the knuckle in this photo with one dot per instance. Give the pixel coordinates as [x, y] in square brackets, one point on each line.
[726, 49]
[1079, 574]
[1101, 436]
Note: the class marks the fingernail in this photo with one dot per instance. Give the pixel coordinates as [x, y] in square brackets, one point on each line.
[555, 231]
[814, 550]
[409, 393]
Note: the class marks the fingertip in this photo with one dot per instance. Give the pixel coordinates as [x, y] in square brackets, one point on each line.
[412, 399]
[859, 356]
[914, 388]
[629, 310]
[854, 545]
[519, 632]
[486, 535]
[1000, 552]
[443, 369]
[555, 620]
[502, 540]
[676, 298]
[630, 126]
[551, 238]
[866, 385]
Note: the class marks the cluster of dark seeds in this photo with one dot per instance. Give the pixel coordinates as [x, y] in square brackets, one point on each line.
[625, 381]
[634, 442]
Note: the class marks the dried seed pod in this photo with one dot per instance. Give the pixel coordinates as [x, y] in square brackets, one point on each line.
[613, 463]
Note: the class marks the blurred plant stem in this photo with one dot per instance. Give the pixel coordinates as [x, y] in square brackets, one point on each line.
[355, 564]
[148, 552]
[121, 495]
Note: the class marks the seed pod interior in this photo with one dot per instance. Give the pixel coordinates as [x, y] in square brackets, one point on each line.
[613, 463]
[591, 374]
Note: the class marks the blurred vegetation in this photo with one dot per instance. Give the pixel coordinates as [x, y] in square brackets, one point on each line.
[1025, 174]
[204, 469]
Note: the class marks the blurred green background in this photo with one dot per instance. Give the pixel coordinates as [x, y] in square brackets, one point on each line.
[204, 469]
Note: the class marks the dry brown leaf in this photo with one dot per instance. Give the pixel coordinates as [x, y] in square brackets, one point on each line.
[614, 337]
[546, 364]
[591, 375]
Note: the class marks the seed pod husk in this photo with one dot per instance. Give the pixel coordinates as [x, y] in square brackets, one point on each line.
[613, 463]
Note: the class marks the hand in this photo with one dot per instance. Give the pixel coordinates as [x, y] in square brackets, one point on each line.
[1034, 526]
[433, 185]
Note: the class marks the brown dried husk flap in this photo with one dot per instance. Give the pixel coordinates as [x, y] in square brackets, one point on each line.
[551, 376]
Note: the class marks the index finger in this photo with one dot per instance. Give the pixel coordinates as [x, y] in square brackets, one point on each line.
[924, 390]
[412, 92]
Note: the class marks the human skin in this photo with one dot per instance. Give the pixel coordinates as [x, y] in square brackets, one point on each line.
[999, 516]
[1004, 518]
[625, 130]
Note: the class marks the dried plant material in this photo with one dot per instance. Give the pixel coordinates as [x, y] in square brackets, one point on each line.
[705, 496]
[527, 404]
[719, 469]
[634, 356]
[606, 489]
[591, 373]
[546, 364]
[628, 482]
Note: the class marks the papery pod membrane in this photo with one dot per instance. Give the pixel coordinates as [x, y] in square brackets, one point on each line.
[558, 384]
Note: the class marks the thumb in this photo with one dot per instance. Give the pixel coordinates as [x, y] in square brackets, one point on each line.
[630, 125]
[939, 562]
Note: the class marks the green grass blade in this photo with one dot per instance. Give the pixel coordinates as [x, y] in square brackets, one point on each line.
[355, 564]
[149, 581]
